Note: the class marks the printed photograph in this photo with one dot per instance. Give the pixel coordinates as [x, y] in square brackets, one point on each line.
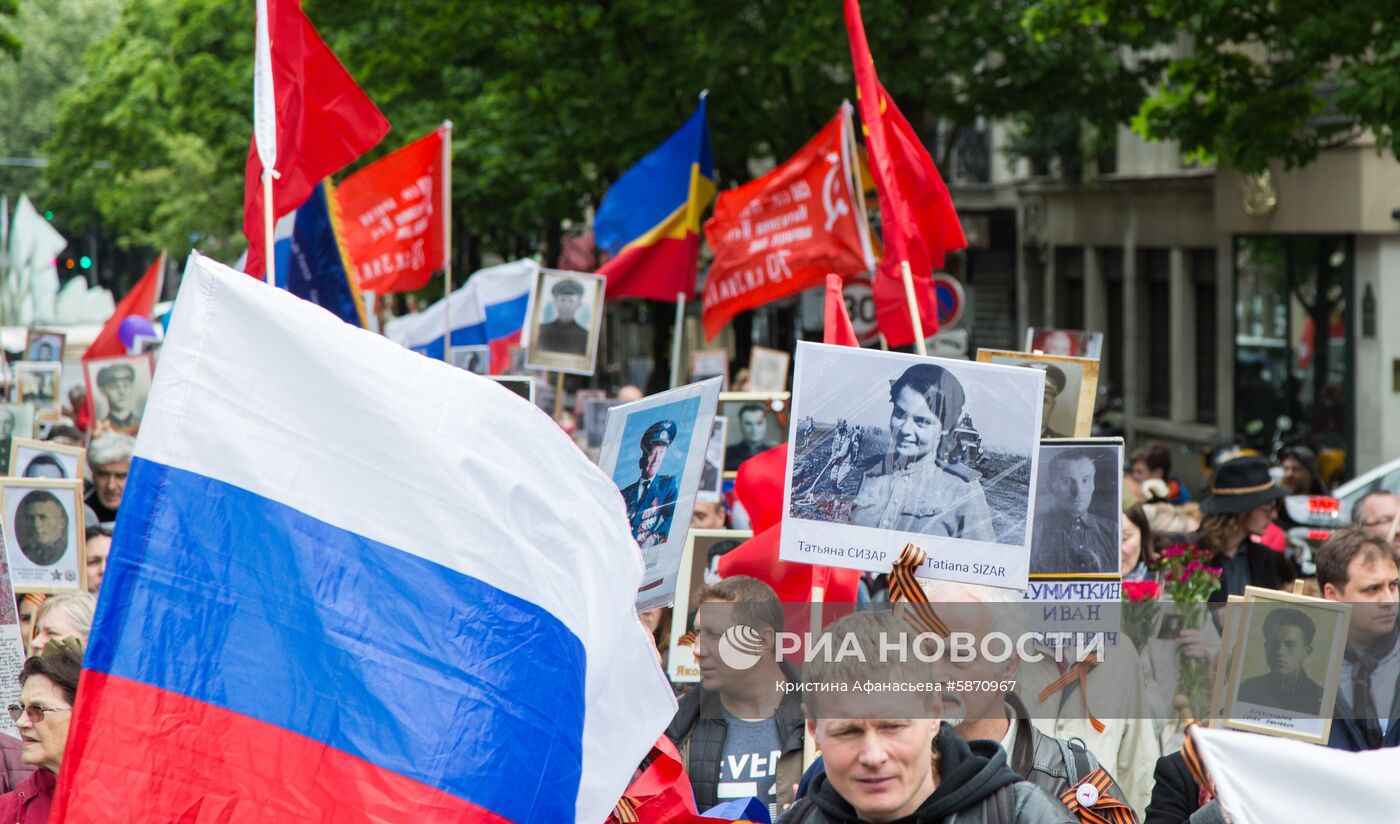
[522, 385]
[117, 389]
[38, 384]
[712, 476]
[654, 451]
[474, 359]
[1285, 674]
[44, 459]
[758, 421]
[44, 346]
[709, 363]
[699, 568]
[1070, 387]
[566, 314]
[1070, 343]
[889, 449]
[595, 419]
[17, 421]
[1078, 500]
[43, 533]
[768, 370]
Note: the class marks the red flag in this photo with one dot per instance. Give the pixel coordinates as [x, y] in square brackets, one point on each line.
[838, 329]
[660, 793]
[782, 233]
[392, 217]
[916, 212]
[324, 121]
[139, 302]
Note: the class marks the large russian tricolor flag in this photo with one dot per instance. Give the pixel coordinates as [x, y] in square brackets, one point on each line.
[488, 310]
[353, 584]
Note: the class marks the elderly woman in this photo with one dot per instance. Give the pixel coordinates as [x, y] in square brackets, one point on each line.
[63, 616]
[917, 487]
[50, 686]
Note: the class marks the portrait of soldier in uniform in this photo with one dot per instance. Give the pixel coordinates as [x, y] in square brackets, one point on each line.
[565, 334]
[41, 527]
[117, 383]
[914, 488]
[1054, 387]
[753, 437]
[1068, 538]
[651, 499]
[1288, 644]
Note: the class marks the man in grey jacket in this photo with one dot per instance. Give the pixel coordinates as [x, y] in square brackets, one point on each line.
[876, 745]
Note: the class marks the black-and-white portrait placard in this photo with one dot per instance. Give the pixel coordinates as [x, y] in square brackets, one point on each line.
[37, 384]
[712, 476]
[565, 318]
[117, 389]
[44, 534]
[474, 359]
[1283, 679]
[758, 421]
[1078, 501]
[522, 385]
[44, 346]
[768, 370]
[43, 459]
[1070, 387]
[888, 449]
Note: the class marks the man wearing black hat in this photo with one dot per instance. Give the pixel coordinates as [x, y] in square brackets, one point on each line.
[117, 384]
[1240, 506]
[564, 334]
[915, 488]
[1055, 381]
[651, 500]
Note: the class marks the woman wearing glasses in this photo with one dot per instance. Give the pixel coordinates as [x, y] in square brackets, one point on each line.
[50, 686]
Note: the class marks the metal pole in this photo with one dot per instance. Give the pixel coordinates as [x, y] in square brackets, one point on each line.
[676, 340]
[908, 274]
[269, 252]
[447, 240]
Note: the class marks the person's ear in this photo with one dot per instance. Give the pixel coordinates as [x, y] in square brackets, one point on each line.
[1330, 592]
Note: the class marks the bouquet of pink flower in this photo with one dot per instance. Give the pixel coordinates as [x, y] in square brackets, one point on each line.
[1188, 580]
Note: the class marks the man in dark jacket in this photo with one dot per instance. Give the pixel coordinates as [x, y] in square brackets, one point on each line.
[739, 732]
[1177, 798]
[1358, 567]
[876, 744]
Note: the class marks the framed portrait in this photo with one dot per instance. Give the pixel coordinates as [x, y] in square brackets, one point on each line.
[43, 531]
[474, 359]
[1288, 661]
[758, 421]
[44, 346]
[699, 567]
[595, 420]
[768, 370]
[1070, 343]
[1224, 661]
[709, 363]
[43, 459]
[581, 398]
[38, 384]
[565, 318]
[888, 449]
[17, 420]
[117, 389]
[1078, 523]
[1070, 387]
[654, 451]
[522, 385]
[712, 476]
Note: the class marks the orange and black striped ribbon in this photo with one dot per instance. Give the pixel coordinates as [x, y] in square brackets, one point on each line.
[1194, 765]
[904, 588]
[1106, 810]
[626, 811]
[1078, 672]
[687, 640]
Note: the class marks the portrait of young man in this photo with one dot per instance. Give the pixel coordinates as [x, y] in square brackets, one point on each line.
[752, 433]
[1069, 537]
[565, 334]
[1288, 645]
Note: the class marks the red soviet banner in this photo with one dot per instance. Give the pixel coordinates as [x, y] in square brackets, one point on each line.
[391, 217]
[786, 231]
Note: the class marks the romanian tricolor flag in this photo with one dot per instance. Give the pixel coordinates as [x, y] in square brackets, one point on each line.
[649, 220]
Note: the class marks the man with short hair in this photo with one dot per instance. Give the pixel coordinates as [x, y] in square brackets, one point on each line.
[739, 732]
[888, 756]
[42, 527]
[1288, 644]
[1359, 567]
[753, 430]
[1068, 537]
[707, 515]
[564, 334]
[1154, 460]
[109, 456]
[1055, 381]
[117, 383]
[96, 547]
[1375, 512]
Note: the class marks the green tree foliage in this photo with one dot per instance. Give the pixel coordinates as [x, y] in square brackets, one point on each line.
[551, 99]
[9, 43]
[1251, 81]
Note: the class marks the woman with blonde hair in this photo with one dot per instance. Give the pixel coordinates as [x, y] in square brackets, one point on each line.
[63, 616]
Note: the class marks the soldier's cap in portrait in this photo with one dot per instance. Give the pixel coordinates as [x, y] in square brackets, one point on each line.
[661, 432]
[1054, 375]
[108, 375]
[567, 287]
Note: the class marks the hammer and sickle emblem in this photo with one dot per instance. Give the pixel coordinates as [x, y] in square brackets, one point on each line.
[835, 207]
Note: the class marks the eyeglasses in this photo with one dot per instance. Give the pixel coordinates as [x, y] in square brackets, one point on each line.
[34, 711]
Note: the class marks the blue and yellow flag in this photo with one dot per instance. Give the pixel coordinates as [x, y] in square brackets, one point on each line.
[311, 259]
[649, 221]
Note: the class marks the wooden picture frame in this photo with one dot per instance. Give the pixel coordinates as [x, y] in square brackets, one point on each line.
[143, 369]
[680, 658]
[30, 372]
[707, 363]
[768, 370]
[23, 565]
[1081, 371]
[19, 446]
[36, 337]
[551, 346]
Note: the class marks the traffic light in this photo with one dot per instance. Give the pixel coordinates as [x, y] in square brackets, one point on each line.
[85, 262]
[48, 215]
[68, 263]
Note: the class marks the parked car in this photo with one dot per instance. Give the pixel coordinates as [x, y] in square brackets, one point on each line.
[1385, 476]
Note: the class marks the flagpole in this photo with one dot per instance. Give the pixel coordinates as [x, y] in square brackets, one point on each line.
[919, 347]
[447, 240]
[676, 340]
[269, 252]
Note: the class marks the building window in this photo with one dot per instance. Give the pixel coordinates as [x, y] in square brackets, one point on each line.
[1069, 287]
[1154, 275]
[1111, 261]
[1202, 263]
[1293, 353]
